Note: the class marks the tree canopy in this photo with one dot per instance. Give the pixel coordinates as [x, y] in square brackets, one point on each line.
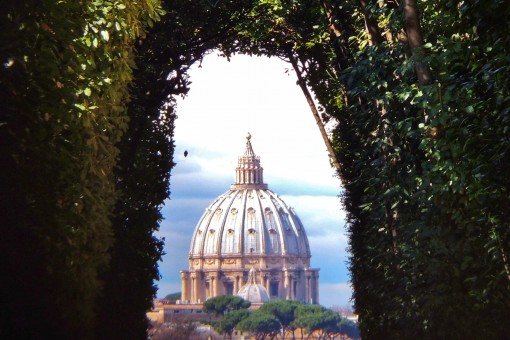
[284, 311]
[315, 318]
[173, 296]
[262, 325]
[222, 304]
[229, 322]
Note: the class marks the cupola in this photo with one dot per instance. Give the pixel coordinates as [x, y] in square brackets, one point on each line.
[252, 291]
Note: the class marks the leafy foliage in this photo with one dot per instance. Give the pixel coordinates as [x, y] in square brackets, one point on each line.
[284, 311]
[66, 67]
[315, 318]
[421, 168]
[262, 325]
[173, 296]
[230, 321]
[222, 304]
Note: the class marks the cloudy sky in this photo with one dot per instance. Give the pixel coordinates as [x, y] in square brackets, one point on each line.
[227, 100]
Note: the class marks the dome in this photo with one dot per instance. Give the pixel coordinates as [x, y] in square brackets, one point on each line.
[252, 291]
[249, 219]
[249, 226]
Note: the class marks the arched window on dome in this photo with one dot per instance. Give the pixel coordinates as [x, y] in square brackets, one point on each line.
[251, 219]
[216, 218]
[251, 236]
[229, 241]
[273, 234]
[269, 217]
[251, 240]
[228, 244]
[210, 242]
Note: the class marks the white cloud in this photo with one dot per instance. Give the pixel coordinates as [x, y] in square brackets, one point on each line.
[322, 213]
[335, 294]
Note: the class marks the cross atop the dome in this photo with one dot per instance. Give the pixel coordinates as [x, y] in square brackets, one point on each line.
[248, 153]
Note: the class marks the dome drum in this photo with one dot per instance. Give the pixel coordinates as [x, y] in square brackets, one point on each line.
[238, 261]
[300, 285]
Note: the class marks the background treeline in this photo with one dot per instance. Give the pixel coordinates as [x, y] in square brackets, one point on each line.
[277, 319]
[419, 92]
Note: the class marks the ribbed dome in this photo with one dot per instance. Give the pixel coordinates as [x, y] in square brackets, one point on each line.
[253, 292]
[249, 219]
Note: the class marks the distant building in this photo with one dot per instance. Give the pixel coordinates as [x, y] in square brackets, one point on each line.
[250, 228]
[162, 312]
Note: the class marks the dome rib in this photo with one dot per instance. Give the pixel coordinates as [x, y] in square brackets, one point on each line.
[280, 228]
[243, 227]
[202, 233]
[264, 229]
[303, 231]
[225, 212]
[292, 226]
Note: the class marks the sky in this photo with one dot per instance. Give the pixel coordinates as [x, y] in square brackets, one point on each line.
[226, 101]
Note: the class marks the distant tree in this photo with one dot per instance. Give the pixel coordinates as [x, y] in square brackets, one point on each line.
[229, 322]
[173, 296]
[284, 311]
[261, 324]
[315, 318]
[222, 304]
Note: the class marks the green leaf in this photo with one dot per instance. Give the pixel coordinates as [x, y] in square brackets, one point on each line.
[105, 35]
